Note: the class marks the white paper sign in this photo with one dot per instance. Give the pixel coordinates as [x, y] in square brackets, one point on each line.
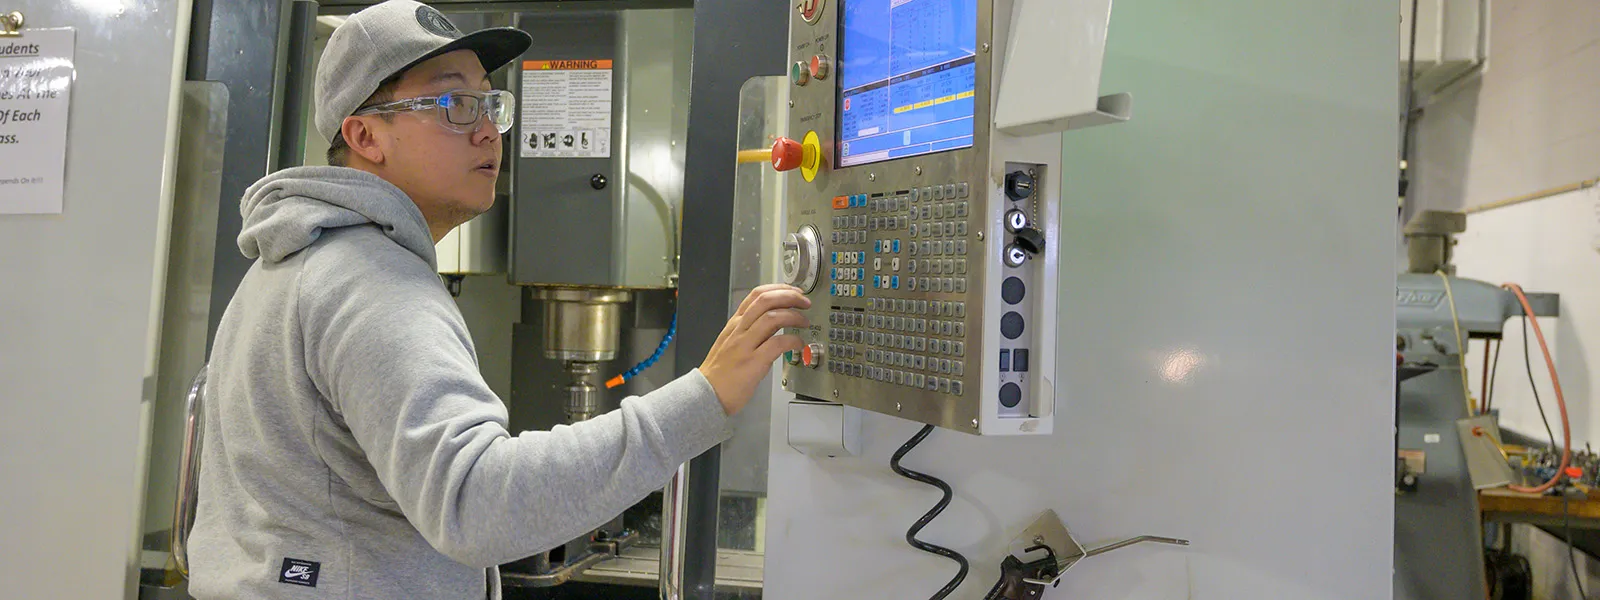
[566, 109]
[36, 72]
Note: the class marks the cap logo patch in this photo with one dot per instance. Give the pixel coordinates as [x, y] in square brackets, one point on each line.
[435, 22]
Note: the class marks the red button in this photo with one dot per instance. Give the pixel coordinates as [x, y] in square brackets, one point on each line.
[807, 357]
[787, 154]
[820, 66]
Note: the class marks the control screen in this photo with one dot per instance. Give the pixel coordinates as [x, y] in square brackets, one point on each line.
[907, 76]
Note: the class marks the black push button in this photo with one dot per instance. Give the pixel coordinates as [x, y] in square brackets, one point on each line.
[1012, 290]
[1005, 360]
[1010, 395]
[1011, 325]
[1019, 360]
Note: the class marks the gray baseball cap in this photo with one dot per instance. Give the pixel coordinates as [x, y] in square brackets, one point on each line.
[386, 39]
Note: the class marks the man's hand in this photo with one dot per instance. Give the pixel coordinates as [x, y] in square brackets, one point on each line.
[744, 352]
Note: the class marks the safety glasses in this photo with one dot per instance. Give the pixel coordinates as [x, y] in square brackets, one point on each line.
[459, 110]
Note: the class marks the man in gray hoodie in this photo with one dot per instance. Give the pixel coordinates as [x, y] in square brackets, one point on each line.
[352, 449]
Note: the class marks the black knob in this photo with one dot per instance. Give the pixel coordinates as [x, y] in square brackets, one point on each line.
[1010, 395]
[598, 182]
[1019, 186]
[1012, 290]
[1031, 240]
[1011, 325]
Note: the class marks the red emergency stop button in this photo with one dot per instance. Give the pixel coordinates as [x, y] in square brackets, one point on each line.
[787, 154]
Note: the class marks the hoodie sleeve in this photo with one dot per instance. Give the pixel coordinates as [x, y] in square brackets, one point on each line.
[392, 355]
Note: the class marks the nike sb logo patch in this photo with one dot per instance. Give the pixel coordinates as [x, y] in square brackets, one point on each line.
[299, 572]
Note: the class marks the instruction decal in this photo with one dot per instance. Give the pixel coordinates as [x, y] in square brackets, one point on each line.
[566, 109]
[36, 73]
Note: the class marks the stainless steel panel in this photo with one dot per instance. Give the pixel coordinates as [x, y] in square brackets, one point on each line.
[967, 402]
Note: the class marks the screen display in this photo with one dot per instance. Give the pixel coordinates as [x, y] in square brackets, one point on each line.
[907, 77]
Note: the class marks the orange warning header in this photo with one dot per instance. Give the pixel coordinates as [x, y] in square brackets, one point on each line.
[564, 65]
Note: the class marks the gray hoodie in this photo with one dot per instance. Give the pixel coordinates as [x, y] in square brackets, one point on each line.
[353, 450]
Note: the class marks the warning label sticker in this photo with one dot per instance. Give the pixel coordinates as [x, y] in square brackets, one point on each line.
[566, 109]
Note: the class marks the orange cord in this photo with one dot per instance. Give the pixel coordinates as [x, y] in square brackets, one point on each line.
[1566, 426]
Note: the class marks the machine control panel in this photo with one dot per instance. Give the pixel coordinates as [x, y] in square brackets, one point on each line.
[921, 234]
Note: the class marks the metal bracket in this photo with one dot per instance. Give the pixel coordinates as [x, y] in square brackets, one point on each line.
[11, 24]
[600, 550]
[1050, 532]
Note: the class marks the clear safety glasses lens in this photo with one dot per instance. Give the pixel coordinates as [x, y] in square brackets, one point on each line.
[463, 109]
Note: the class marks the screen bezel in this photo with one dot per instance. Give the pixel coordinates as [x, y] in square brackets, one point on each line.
[839, 90]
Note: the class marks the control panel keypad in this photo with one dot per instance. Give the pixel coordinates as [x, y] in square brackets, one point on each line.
[886, 246]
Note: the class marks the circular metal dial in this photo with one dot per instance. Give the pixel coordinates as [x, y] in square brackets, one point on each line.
[802, 258]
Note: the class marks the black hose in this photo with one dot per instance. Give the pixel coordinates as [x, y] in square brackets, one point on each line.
[911, 534]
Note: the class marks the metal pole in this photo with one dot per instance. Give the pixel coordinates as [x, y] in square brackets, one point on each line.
[297, 83]
[759, 31]
[237, 43]
[673, 512]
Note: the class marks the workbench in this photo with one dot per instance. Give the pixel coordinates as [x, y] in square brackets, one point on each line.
[1500, 505]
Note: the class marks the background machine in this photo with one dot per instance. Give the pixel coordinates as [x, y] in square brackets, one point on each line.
[1438, 533]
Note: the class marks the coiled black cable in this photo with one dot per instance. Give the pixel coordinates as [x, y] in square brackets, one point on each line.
[911, 534]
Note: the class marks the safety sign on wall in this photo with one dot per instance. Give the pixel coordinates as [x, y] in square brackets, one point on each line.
[566, 109]
[36, 72]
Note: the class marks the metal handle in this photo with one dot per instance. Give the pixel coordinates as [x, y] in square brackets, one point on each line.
[189, 471]
[1138, 540]
[674, 517]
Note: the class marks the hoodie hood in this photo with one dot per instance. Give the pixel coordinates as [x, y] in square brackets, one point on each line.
[287, 211]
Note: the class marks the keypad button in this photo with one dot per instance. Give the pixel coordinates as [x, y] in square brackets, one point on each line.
[938, 211]
[949, 285]
[961, 348]
[961, 247]
[961, 309]
[913, 230]
[938, 309]
[961, 330]
[950, 247]
[961, 230]
[912, 268]
[950, 191]
[922, 307]
[961, 285]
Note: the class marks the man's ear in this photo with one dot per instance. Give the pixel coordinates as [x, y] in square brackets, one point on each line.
[362, 139]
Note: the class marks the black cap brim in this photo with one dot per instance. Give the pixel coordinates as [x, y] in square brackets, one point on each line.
[495, 47]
